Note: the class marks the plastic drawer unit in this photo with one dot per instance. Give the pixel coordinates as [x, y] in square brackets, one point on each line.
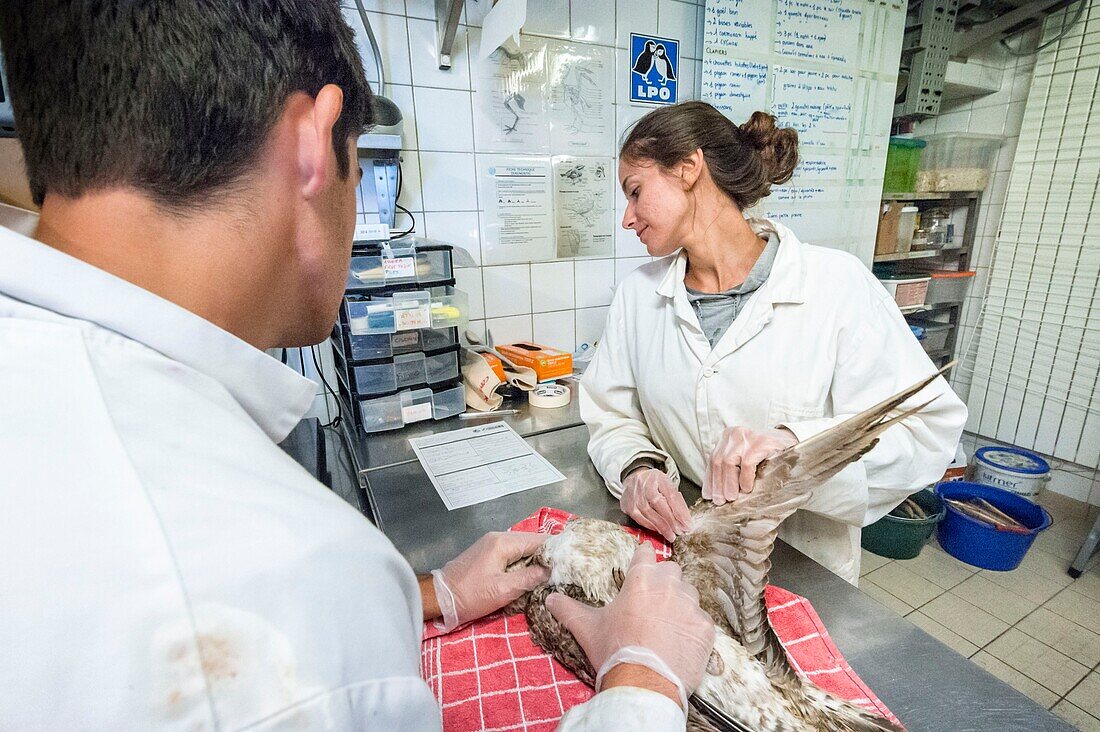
[378, 266]
[394, 411]
[387, 345]
[439, 307]
[400, 372]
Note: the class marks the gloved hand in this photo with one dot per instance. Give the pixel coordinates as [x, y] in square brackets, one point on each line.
[650, 498]
[476, 582]
[732, 466]
[654, 621]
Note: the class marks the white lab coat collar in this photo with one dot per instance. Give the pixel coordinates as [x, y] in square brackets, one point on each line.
[785, 283]
[274, 396]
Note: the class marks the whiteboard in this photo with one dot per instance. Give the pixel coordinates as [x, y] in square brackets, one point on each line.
[829, 69]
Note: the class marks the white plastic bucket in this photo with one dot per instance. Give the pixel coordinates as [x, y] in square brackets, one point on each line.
[1011, 468]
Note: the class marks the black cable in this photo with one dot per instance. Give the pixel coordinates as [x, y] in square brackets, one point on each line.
[339, 408]
[284, 357]
[412, 226]
[1066, 28]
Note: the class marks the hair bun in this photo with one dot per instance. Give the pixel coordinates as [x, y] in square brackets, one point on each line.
[777, 146]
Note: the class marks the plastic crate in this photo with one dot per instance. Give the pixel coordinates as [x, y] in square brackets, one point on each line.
[439, 307]
[378, 266]
[393, 411]
[357, 348]
[902, 163]
[948, 287]
[956, 161]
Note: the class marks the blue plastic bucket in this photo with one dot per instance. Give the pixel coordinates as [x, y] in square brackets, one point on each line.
[980, 544]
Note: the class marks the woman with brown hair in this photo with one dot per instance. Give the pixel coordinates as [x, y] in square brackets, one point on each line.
[741, 340]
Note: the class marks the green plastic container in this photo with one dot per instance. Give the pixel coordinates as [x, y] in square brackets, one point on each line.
[895, 537]
[902, 164]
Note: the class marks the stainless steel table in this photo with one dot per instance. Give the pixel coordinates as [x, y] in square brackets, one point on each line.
[929, 686]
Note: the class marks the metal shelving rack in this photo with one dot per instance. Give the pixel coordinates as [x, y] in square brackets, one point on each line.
[970, 200]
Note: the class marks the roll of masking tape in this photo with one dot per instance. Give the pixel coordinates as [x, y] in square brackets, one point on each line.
[549, 396]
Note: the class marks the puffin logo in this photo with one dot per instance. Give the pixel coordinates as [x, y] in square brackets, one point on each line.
[654, 69]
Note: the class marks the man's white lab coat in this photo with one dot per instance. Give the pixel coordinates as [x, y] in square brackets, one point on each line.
[818, 342]
[165, 564]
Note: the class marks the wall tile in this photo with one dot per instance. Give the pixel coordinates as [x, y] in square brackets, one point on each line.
[402, 96]
[448, 124]
[634, 16]
[548, 18]
[623, 267]
[679, 21]
[590, 324]
[509, 330]
[552, 286]
[557, 330]
[456, 227]
[393, 44]
[593, 21]
[425, 57]
[448, 181]
[507, 290]
[469, 281]
[412, 193]
[595, 279]
[627, 244]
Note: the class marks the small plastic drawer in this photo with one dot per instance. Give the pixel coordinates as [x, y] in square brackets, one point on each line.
[402, 267]
[935, 336]
[381, 414]
[370, 317]
[449, 307]
[388, 345]
[449, 402]
[375, 378]
[441, 367]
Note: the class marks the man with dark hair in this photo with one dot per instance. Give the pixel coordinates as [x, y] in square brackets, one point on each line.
[165, 564]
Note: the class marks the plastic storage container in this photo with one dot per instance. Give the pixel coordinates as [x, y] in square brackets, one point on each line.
[957, 161]
[387, 345]
[948, 287]
[394, 411]
[410, 369]
[907, 291]
[373, 267]
[900, 537]
[980, 544]
[935, 336]
[1020, 471]
[440, 307]
[907, 226]
[902, 164]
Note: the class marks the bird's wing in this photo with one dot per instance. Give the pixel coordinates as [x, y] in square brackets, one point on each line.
[727, 554]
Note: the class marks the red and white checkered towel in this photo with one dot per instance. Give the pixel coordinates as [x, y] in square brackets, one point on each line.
[489, 675]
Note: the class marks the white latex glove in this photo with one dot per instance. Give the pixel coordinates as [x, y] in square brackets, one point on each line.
[650, 498]
[732, 466]
[476, 582]
[654, 621]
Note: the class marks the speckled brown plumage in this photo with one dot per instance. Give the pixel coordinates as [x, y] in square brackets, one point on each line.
[726, 557]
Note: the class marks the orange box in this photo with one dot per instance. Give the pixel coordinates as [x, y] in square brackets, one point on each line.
[548, 363]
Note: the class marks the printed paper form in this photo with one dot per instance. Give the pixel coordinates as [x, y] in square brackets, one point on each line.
[477, 464]
[819, 30]
[517, 200]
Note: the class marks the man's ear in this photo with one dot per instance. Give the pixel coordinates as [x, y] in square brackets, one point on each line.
[316, 155]
[690, 168]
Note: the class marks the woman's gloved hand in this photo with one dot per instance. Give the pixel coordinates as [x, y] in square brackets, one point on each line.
[476, 582]
[650, 498]
[732, 466]
[654, 621]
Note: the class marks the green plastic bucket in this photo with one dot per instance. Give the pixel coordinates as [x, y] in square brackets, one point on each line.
[896, 537]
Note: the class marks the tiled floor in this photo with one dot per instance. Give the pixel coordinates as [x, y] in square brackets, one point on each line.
[1035, 627]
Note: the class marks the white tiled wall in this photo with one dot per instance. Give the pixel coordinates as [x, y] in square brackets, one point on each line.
[560, 303]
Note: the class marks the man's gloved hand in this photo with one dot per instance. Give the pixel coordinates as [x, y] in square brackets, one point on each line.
[476, 582]
[732, 467]
[650, 498]
[654, 621]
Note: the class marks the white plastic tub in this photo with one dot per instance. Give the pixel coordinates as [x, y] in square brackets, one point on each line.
[907, 291]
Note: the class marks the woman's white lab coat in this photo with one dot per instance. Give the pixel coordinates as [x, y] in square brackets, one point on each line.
[818, 342]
